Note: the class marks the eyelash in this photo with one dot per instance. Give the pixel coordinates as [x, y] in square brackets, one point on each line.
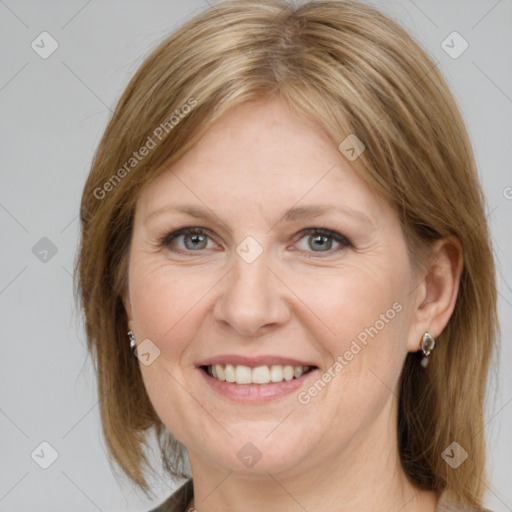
[342, 240]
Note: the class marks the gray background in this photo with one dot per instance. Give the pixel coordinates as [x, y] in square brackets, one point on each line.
[53, 112]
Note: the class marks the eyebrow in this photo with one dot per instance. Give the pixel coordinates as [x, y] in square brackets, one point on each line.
[313, 211]
[292, 215]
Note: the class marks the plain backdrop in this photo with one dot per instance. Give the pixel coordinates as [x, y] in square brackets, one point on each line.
[53, 111]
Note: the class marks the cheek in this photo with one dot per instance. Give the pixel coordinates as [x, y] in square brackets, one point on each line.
[167, 303]
[364, 303]
[367, 312]
[365, 355]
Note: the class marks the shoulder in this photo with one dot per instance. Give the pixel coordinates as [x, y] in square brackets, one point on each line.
[178, 500]
[448, 504]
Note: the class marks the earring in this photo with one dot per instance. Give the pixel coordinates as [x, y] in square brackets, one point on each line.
[133, 343]
[428, 343]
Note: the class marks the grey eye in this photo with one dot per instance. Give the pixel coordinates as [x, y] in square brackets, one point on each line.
[322, 240]
[194, 239]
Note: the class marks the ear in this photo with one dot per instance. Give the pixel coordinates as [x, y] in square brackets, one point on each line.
[437, 294]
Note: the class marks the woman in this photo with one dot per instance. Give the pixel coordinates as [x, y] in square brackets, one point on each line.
[283, 222]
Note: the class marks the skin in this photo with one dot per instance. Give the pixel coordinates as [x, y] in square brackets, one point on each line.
[339, 451]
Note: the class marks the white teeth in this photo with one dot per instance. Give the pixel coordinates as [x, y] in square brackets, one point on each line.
[261, 375]
[288, 372]
[242, 374]
[276, 373]
[220, 372]
[229, 373]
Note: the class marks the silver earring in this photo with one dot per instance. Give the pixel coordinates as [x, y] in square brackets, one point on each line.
[428, 343]
[133, 343]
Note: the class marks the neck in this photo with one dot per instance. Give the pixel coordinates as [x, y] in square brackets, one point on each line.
[365, 476]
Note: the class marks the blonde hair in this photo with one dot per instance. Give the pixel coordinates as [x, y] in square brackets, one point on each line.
[356, 72]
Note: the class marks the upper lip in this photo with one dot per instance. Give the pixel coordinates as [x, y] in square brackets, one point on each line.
[253, 362]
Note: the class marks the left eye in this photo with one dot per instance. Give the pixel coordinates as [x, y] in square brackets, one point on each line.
[196, 239]
[323, 239]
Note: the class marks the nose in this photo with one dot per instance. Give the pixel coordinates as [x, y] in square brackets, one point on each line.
[252, 299]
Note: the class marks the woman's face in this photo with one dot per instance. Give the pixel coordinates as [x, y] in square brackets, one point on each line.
[254, 288]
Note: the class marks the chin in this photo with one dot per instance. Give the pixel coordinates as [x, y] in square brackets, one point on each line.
[254, 456]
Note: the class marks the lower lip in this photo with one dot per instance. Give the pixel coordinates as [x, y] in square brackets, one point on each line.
[256, 392]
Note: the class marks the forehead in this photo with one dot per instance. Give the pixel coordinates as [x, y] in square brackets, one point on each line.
[262, 158]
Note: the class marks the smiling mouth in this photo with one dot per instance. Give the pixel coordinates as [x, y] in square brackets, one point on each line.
[241, 374]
